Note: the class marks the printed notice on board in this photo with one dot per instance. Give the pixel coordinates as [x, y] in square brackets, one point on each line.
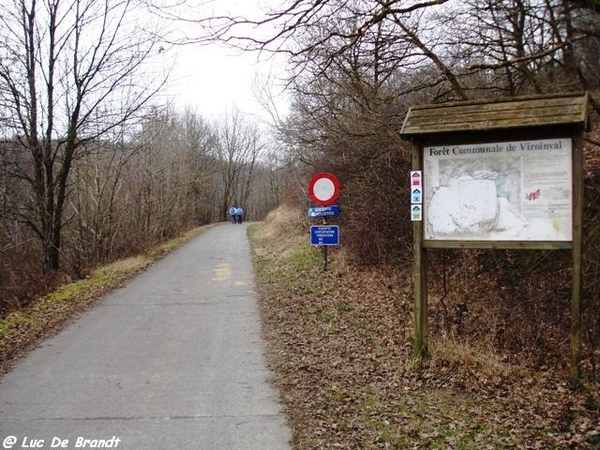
[499, 191]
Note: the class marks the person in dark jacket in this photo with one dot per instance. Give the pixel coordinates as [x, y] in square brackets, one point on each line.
[239, 213]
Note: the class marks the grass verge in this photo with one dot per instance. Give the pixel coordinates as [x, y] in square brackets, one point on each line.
[22, 330]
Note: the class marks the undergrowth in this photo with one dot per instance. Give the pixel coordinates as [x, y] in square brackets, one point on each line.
[20, 330]
[340, 345]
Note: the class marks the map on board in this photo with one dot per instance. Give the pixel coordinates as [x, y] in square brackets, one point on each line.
[519, 191]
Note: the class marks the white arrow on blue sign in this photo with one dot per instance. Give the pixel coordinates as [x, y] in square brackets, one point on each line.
[324, 211]
[324, 235]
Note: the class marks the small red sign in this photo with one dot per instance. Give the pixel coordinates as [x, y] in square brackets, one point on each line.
[324, 189]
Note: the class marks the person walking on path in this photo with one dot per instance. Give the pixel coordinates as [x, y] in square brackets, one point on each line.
[232, 211]
[239, 213]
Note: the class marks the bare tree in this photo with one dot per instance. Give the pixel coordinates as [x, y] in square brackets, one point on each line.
[70, 73]
[199, 139]
[239, 146]
[97, 184]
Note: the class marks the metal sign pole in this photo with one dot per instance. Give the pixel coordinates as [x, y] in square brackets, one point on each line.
[324, 249]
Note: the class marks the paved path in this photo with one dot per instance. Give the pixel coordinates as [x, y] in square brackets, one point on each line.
[172, 361]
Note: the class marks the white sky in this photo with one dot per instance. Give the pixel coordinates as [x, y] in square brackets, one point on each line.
[212, 79]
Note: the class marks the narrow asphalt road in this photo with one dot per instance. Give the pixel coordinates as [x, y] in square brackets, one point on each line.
[172, 361]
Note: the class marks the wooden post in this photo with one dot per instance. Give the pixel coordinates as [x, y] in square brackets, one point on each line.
[575, 369]
[490, 121]
[419, 275]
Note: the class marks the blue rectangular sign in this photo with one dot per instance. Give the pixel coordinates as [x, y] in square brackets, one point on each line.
[324, 211]
[324, 235]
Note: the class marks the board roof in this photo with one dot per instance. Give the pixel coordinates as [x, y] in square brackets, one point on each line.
[487, 115]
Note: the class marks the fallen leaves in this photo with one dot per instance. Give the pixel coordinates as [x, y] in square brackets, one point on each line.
[339, 347]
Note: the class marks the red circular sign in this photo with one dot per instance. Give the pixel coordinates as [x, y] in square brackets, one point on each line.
[324, 189]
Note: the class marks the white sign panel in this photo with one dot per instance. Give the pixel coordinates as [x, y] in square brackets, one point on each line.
[507, 191]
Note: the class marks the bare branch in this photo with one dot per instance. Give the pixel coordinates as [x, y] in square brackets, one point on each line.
[535, 56]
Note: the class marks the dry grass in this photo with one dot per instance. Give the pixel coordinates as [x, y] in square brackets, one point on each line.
[21, 330]
[478, 364]
[339, 343]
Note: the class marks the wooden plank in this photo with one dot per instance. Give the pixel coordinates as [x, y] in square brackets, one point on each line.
[475, 122]
[463, 115]
[490, 115]
[503, 102]
[515, 110]
[508, 245]
[506, 119]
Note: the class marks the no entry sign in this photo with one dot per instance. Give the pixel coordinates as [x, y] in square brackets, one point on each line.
[324, 189]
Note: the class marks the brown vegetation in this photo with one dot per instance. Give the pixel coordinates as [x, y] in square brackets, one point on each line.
[176, 173]
[339, 343]
[341, 340]
[23, 329]
[352, 89]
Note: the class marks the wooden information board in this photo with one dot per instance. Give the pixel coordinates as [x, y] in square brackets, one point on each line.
[499, 174]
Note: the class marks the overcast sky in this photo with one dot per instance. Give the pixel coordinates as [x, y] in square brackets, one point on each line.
[213, 79]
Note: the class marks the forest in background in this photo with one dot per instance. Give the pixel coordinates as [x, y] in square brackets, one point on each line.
[93, 168]
[178, 172]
